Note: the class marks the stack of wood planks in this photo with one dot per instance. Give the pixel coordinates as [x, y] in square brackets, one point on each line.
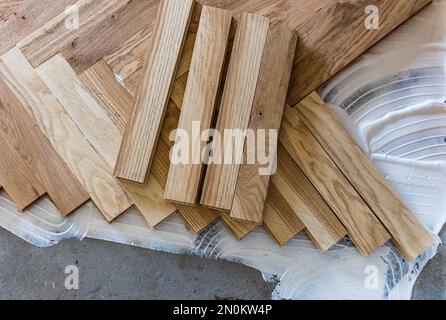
[96, 97]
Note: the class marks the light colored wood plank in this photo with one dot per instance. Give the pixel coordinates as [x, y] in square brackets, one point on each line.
[266, 114]
[235, 109]
[92, 170]
[117, 102]
[29, 17]
[16, 178]
[203, 86]
[112, 97]
[320, 221]
[143, 128]
[364, 229]
[90, 116]
[21, 132]
[407, 232]
[108, 32]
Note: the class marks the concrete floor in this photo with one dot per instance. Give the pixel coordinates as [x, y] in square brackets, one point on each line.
[113, 271]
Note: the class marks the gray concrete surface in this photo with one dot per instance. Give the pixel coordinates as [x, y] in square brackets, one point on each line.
[113, 271]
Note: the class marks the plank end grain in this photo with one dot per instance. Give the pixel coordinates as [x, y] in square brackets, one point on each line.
[143, 128]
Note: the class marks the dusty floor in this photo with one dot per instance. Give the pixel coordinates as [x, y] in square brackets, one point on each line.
[112, 271]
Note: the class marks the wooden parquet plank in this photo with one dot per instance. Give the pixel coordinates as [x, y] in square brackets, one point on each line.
[266, 116]
[235, 110]
[143, 128]
[91, 170]
[407, 232]
[17, 126]
[365, 230]
[203, 85]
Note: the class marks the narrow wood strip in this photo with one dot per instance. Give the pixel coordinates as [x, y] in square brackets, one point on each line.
[203, 84]
[90, 116]
[364, 229]
[108, 33]
[408, 233]
[17, 126]
[320, 221]
[266, 114]
[143, 129]
[30, 16]
[91, 169]
[15, 176]
[235, 109]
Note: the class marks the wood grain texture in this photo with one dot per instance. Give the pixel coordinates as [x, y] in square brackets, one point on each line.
[90, 116]
[117, 102]
[324, 27]
[61, 31]
[106, 35]
[239, 229]
[319, 220]
[235, 109]
[203, 86]
[18, 180]
[142, 130]
[279, 217]
[320, 54]
[196, 218]
[21, 132]
[9, 8]
[322, 51]
[91, 170]
[364, 229]
[85, 111]
[29, 17]
[407, 232]
[113, 98]
[266, 114]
